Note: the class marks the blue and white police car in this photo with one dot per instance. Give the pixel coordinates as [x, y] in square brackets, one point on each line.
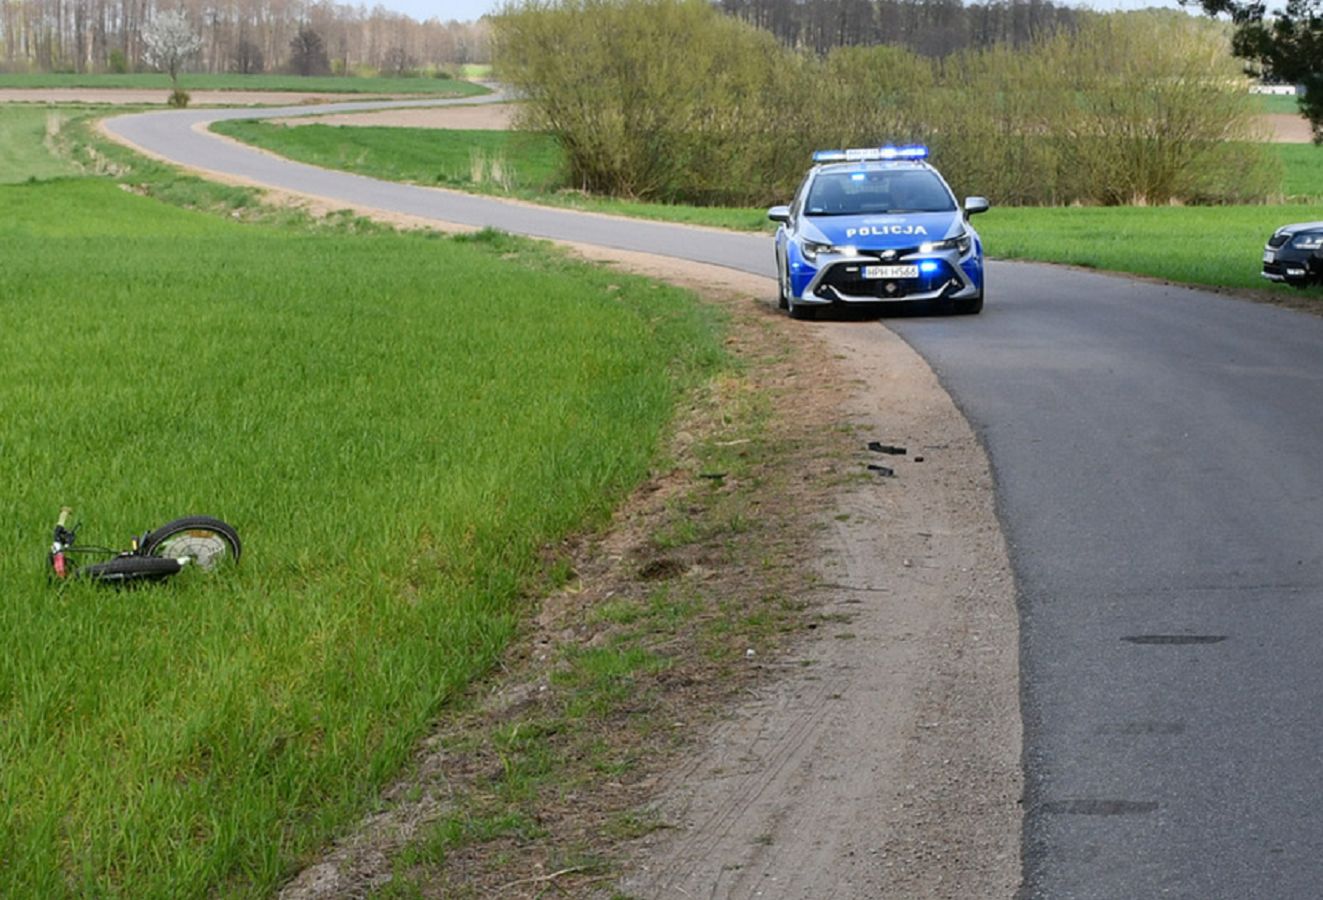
[877, 225]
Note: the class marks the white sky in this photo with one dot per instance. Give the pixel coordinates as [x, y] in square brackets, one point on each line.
[468, 10]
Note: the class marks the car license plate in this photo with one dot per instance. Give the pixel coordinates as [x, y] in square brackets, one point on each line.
[891, 271]
[1269, 256]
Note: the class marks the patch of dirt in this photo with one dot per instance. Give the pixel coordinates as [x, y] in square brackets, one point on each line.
[1288, 128]
[484, 117]
[889, 767]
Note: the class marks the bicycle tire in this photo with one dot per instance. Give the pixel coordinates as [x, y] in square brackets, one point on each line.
[206, 541]
[131, 568]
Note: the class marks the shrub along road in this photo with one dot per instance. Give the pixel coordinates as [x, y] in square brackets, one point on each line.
[1155, 456]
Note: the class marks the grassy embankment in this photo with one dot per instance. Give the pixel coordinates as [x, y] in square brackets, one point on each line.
[395, 427]
[229, 82]
[1217, 246]
[517, 164]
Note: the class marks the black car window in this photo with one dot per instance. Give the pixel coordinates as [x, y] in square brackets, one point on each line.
[847, 193]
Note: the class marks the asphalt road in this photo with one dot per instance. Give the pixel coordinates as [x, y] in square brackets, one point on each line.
[1158, 454]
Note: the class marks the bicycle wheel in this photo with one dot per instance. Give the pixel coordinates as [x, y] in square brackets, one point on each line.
[131, 568]
[206, 541]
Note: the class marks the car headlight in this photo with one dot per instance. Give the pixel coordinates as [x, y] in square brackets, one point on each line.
[1308, 241]
[812, 250]
[960, 242]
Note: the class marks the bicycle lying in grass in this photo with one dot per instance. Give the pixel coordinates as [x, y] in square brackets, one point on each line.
[194, 540]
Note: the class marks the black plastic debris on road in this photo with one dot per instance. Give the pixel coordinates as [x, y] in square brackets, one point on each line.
[882, 470]
[879, 447]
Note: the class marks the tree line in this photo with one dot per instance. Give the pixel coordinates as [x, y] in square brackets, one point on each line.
[928, 27]
[244, 36]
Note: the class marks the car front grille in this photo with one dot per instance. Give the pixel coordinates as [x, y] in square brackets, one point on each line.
[848, 280]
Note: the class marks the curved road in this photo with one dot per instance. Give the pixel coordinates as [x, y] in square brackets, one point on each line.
[1159, 463]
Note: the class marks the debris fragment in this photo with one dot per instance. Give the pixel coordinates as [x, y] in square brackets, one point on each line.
[884, 471]
[879, 447]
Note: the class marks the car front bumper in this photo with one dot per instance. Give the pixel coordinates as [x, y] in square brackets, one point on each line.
[1291, 266]
[854, 279]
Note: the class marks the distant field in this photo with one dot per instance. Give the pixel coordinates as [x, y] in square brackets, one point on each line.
[527, 161]
[531, 166]
[224, 82]
[1276, 103]
[396, 427]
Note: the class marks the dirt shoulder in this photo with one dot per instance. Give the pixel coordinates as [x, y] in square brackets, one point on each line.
[778, 673]
[887, 763]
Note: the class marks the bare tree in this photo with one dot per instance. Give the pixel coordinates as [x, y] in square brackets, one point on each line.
[307, 54]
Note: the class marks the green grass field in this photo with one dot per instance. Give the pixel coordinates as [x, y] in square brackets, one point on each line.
[1218, 246]
[531, 166]
[1274, 103]
[1303, 168]
[529, 162]
[397, 424]
[227, 82]
[23, 151]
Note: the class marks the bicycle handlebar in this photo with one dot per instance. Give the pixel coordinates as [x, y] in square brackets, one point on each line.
[65, 513]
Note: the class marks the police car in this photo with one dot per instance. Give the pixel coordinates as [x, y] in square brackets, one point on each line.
[1294, 254]
[877, 225]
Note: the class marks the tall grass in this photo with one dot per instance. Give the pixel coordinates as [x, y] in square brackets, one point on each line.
[26, 133]
[395, 423]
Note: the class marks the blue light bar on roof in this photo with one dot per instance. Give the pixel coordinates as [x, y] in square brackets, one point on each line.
[865, 154]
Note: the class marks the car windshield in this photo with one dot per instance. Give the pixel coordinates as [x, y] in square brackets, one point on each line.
[848, 193]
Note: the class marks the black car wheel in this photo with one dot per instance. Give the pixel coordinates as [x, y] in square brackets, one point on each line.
[782, 286]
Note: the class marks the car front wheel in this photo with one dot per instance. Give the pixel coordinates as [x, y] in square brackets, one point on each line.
[970, 306]
[782, 286]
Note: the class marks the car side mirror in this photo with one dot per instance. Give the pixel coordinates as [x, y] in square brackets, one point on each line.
[779, 214]
[975, 205]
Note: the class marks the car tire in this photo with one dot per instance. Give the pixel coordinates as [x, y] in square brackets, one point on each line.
[800, 310]
[970, 306]
[782, 287]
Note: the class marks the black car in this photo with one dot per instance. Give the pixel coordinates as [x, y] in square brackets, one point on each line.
[1294, 254]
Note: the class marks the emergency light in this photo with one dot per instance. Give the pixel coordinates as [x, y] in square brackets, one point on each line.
[865, 154]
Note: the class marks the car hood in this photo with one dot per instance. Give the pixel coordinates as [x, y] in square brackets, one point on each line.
[1299, 227]
[881, 232]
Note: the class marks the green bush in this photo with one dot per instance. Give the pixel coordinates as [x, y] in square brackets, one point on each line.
[669, 100]
[658, 99]
[1153, 109]
[179, 98]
